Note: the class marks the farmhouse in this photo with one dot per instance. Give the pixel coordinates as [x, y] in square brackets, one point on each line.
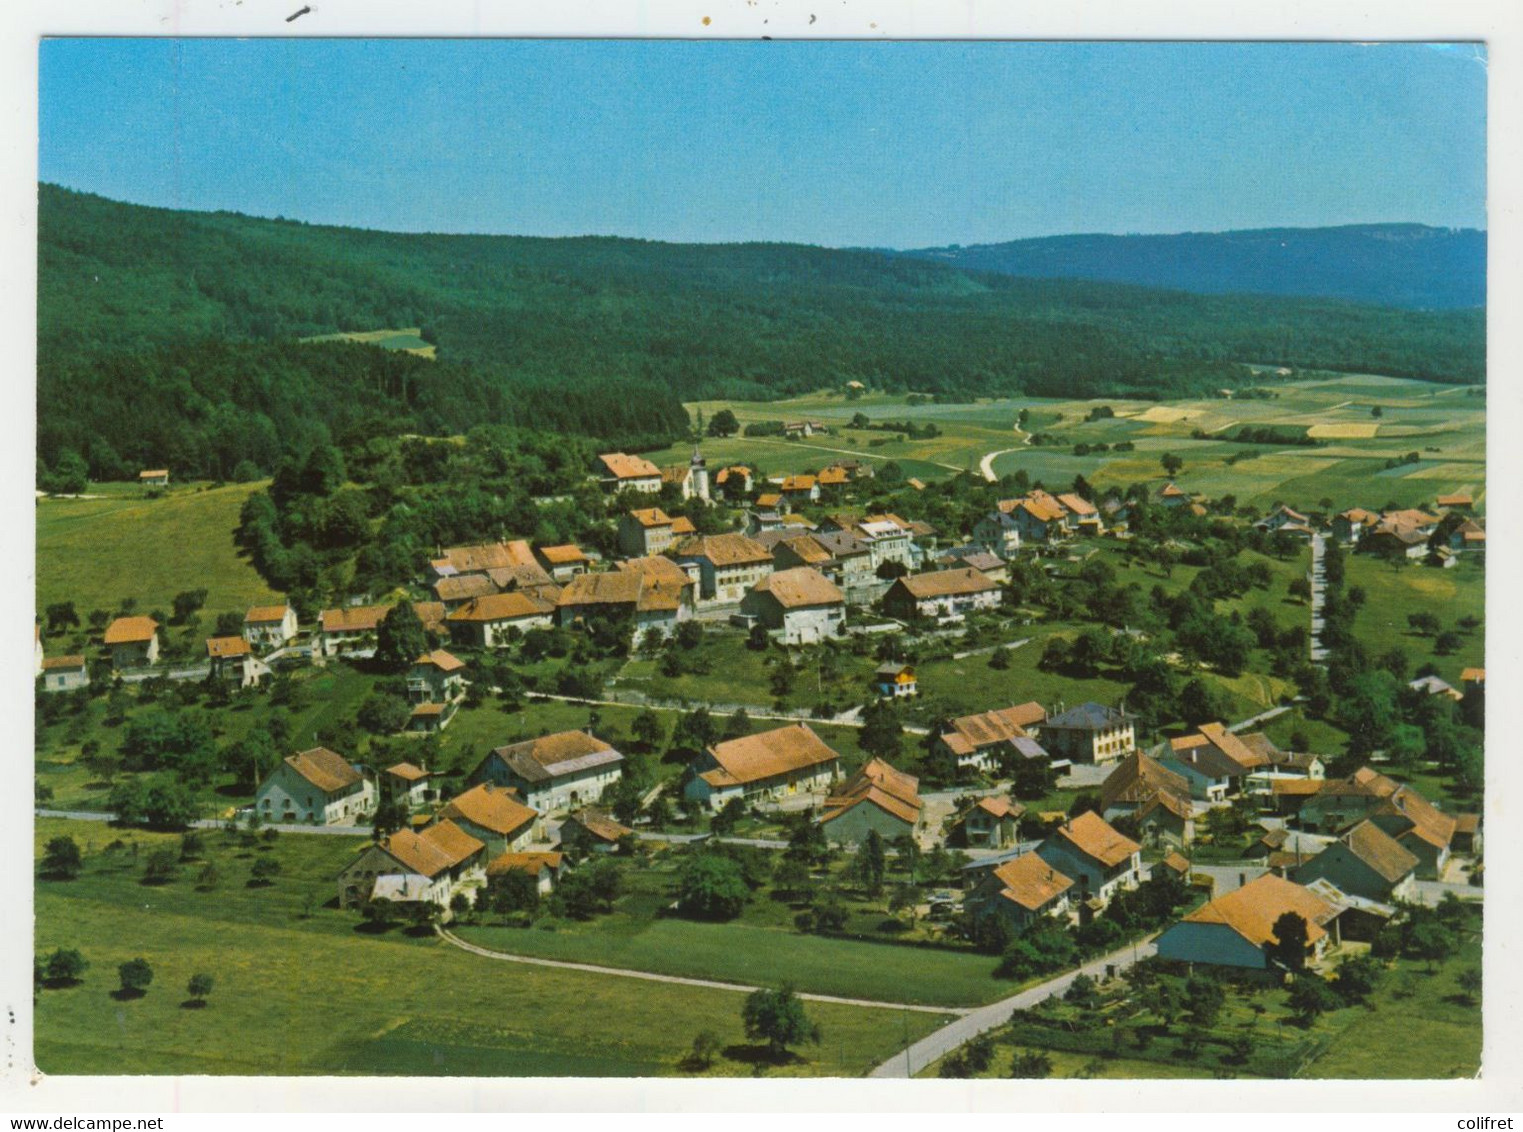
[1090, 850]
[1136, 781]
[64, 674]
[1283, 520]
[1236, 931]
[1365, 861]
[406, 783]
[943, 594]
[593, 828]
[492, 814]
[990, 823]
[650, 530]
[232, 659]
[1090, 733]
[491, 621]
[991, 566]
[457, 589]
[1350, 526]
[803, 604]
[316, 787]
[1397, 809]
[980, 740]
[406, 867]
[728, 565]
[783, 762]
[1022, 893]
[544, 867]
[554, 772]
[269, 626]
[482, 558]
[877, 798]
[436, 678]
[618, 471]
[133, 641]
[153, 477]
[654, 593]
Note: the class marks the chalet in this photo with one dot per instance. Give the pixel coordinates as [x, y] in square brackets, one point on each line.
[407, 784]
[436, 677]
[783, 762]
[999, 532]
[690, 480]
[554, 772]
[1350, 526]
[543, 867]
[982, 741]
[877, 798]
[654, 593]
[990, 823]
[316, 787]
[650, 530]
[1283, 520]
[800, 489]
[1135, 781]
[153, 477]
[991, 566]
[594, 828]
[409, 867]
[1236, 931]
[1215, 761]
[802, 604]
[1090, 733]
[894, 680]
[269, 626]
[133, 641]
[728, 565]
[1090, 850]
[64, 674]
[943, 594]
[1172, 495]
[494, 620]
[232, 659]
[494, 815]
[1022, 893]
[431, 717]
[1365, 861]
[618, 471]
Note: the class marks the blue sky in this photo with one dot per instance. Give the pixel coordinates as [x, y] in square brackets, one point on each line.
[881, 144]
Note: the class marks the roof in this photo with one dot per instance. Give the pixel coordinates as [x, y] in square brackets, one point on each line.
[766, 754]
[487, 556]
[651, 517]
[1428, 822]
[841, 544]
[972, 732]
[327, 770]
[439, 847]
[131, 630]
[460, 587]
[441, 660]
[563, 555]
[408, 773]
[56, 662]
[942, 583]
[722, 550]
[831, 476]
[768, 500]
[1467, 823]
[805, 548]
[220, 648]
[1359, 515]
[1176, 804]
[799, 588]
[1458, 499]
[1001, 807]
[1380, 851]
[1137, 778]
[261, 614]
[643, 587]
[1077, 504]
[622, 466]
[1472, 674]
[1176, 862]
[431, 613]
[879, 784]
[598, 824]
[552, 756]
[531, 863]
[1031, 882]
[429, 708]
[1252, 910]
[491, 807]
[510, 606]
[1218, 753]
[152, 473]
[1171, 491]
[1095, 837]
[353, 618]
[798, 483]
[1088, 716]
[658, 569]
[894, 668]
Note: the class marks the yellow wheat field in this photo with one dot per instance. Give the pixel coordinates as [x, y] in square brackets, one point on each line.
[1349, 430]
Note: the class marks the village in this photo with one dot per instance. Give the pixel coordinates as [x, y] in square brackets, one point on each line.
[1217, 848]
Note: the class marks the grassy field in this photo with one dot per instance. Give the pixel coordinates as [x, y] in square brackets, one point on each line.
[407, 339]
[95, 552]
[1395, 592]
[299, 991]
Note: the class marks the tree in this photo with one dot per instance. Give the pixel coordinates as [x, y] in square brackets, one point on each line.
[1469, 981]
[706, 1046]
[513, 891]
[723, 423]
[647, 730]
[263, 872]
[723, 823]
[870, 864]
[1310, 996]
[1031, 1063]
[162, 867]
[135, 975]
[400, 638]
[882, 735]
[61, 615]
[1424, 624]
[1299, 588]
[64, 968]
[1172, 464]
[1357, 977]
[1429, 941]
[1290, 946]
[1204, 999]
[737, 725]
[61, 859]
[383, 714]
[198, 988]
[186, 604]
[711, 887]
[778, 1017]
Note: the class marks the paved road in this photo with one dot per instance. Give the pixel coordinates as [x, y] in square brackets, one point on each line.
[986, 465]
[1318, 586]
[846, 719]
[218, 823]
[679, 980]
[1262, 717]
[908, 1062]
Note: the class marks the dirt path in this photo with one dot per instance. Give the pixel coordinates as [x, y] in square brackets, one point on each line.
[986, 465]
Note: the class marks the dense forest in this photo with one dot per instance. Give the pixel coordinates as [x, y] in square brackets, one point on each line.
[168, 337]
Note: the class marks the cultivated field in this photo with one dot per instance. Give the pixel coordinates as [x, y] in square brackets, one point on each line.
[407, 339]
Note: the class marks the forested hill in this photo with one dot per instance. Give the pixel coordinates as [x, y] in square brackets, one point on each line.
[1397, 265]
[194, 314]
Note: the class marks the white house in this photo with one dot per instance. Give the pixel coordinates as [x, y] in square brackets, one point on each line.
[804, 604]
[316, 787]
[406, 867]
[1099, 859]
[554, 772]
[64, 674]
[232, 659]
[618, 471]
[784, 762]
[999, 532]
[941, 594]
[436, 677]
[269, 626]
[133, 641]
[489, 622]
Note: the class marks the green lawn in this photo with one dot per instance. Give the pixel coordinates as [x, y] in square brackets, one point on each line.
[1394, 592]
[95, 552]
[299, 991]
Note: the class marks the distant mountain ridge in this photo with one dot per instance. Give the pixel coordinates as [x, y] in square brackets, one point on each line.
[1395, 265]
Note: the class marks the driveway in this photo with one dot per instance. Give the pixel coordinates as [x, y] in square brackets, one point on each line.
[927, 1050]
[218, 823]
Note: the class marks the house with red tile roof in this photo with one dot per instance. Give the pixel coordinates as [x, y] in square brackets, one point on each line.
[409, 867]
[1023, 893]
[315, 787]
[768, 766]
[619, 471]
[133, 641]
[878, 798]
[1236, 931]
[1091, 851]
[554, 773]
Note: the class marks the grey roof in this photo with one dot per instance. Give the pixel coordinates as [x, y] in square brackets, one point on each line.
[1028, 747]
[1088, 717]
[838, 543]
